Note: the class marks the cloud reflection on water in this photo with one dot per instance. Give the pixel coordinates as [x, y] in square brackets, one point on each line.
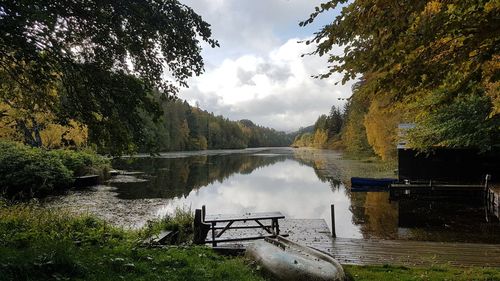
[302, 184]
[287, 186]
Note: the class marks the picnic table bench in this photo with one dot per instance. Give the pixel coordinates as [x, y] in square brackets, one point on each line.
[227, 221]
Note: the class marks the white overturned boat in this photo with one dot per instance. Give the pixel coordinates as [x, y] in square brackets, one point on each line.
[287, 260]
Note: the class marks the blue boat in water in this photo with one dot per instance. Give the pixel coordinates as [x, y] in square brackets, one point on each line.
[371, 184]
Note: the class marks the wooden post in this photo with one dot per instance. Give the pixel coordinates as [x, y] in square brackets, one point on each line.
[203, 213]
[200, 228]
[486, 180]
[277, 226]
[214, 243]
[197, 239]
[486, 190]
[333, 221]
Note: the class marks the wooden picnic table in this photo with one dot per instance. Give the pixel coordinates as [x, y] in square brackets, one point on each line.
[228, 220]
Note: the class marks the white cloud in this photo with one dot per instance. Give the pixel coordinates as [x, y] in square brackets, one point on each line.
[258, 72]
[256, 26]
[275, 90]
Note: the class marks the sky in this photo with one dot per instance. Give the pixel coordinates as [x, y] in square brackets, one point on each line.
[258, 73]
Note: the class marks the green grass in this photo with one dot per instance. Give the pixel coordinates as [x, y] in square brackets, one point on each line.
[39, 244]
[181, 221]
[401, 273]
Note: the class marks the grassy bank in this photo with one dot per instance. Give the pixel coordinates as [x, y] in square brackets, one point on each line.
[41, 244]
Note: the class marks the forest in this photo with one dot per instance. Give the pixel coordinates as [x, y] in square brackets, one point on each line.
[69, 67]
[184, 127]
[431, 63]
[179, 127]
[325, 133]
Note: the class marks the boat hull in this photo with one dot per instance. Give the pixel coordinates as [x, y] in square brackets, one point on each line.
[371, 182]
[286, 260]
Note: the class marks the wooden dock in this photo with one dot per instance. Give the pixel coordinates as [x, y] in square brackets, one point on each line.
[316, 234]
[411, 253]
[435, 191]
[401, 252]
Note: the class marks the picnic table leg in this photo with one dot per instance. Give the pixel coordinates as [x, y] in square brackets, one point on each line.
[265, 227]
[225, 228]
[277, 226]
[214, 243]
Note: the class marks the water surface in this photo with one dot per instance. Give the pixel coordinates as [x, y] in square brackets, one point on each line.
[299, 183]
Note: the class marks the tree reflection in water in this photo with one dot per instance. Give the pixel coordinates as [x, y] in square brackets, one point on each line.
[299, 183]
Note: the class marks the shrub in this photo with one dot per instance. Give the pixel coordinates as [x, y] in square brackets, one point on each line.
[82, 162]
[27, 172]
[23, 224]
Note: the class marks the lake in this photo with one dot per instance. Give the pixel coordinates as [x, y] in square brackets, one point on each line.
[300, 183]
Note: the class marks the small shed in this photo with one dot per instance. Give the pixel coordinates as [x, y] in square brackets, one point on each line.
[451, 165]
[448, 165]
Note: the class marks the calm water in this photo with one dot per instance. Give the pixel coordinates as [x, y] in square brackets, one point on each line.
[299, 183]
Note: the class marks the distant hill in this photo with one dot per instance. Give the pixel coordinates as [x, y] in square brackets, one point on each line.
[308, 129]
[263, 136]
[247, 123]
[301, 131]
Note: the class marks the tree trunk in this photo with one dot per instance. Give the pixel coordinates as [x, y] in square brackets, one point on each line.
[31, 135]
[36, 131]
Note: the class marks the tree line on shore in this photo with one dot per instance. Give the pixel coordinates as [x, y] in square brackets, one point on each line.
[326, 131]
[178, 127]
[432, 63]
[184, 127]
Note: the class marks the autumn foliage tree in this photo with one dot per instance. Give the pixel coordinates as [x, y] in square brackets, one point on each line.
[381, 125]
[325, 132]
[431, 60]
[97, 62]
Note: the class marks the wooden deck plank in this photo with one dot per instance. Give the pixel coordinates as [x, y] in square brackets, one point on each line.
[315, 234]
[371, 251]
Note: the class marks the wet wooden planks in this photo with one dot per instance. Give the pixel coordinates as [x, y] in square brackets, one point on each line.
[410, 253]
[305, 231]
[315, 233]
[308, 232]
